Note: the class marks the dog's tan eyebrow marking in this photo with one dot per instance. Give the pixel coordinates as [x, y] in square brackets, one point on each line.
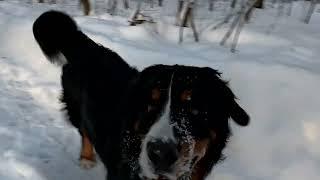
[136, 125]
[186, 95]
[155, 94]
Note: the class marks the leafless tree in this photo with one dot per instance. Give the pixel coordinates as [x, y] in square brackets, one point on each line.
[236, 17]
[290, 5]
[86, 7]
[133, 19]
[188, 17]
[310, 11]
[238, 23]
[179, 12]
[126, 4]
[259, 4]
[211, 5]
[233, 3]
[137, 17]
[112, 5]
[42, 1]
[160, 2]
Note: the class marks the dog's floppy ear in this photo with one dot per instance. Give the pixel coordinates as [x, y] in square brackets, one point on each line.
[225, 97]
[238, 114]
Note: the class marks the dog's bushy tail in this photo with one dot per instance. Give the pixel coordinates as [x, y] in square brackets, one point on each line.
[55, 31]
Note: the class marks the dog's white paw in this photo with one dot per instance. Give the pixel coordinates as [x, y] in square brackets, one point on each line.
[87, 164]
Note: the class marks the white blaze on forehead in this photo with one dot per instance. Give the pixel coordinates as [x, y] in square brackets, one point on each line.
[161, 130]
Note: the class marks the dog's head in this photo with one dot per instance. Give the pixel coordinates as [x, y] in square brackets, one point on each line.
[180, 116]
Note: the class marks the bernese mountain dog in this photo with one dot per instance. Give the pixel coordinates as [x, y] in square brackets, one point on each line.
[164, 122]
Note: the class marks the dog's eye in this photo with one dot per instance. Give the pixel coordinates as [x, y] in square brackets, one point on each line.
[151, 108]
[179, 147]
[186, 95]
[155, 94]
[194, 112]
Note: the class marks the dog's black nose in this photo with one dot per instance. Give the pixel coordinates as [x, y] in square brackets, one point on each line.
[162, 154]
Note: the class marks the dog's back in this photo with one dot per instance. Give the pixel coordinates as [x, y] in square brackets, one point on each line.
[94, 79]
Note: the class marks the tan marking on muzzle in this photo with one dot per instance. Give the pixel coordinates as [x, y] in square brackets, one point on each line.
[199, 172]
[200, 150]
[201, 147]
[194, 151]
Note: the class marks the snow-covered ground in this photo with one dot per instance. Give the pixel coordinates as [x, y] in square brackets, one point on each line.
[275, 74]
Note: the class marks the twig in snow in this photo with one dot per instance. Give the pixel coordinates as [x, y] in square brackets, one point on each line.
[137, 17]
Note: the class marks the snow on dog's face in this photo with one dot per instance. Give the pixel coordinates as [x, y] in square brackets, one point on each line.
[180, 116]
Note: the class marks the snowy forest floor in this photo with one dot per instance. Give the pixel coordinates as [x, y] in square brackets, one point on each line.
[275, 73]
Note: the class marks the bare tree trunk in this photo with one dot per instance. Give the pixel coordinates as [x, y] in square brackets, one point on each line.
[135, 14]
[289, 10]
[178, 15]
[230, 31]
[42, 1]
[112, 5]
[126, 4]
[233, 3]
[211, 5]
[160, 2]
[273, 2]
[238, 24]
[280, 8]
[310, 11]
[277, 17]
[237, 33]
[183, 23]
[192, 24]
[188, 17]
[248, 14]
[259, 4]
[225, 21]
[86, 7]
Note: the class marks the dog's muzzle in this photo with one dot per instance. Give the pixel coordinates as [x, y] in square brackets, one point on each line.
[162, 154]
